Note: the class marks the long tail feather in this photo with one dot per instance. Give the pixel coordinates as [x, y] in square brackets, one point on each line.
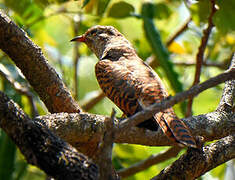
[175, 129]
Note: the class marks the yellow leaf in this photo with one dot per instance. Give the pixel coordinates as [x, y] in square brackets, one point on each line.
[230, 39]
[45, 38]
[176, 48]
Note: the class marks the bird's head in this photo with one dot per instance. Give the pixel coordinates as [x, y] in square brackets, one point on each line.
[105, 41]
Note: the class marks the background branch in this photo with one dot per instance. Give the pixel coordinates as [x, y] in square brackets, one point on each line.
[152, 160]
[179, 32]
[92, 102]
[200, 54]
[24, 90]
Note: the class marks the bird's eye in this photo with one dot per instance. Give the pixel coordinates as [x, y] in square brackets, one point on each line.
[93, 32]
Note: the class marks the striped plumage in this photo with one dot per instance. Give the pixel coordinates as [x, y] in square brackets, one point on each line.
[130, 83]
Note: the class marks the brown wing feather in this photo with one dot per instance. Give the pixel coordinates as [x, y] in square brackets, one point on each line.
[133, 85]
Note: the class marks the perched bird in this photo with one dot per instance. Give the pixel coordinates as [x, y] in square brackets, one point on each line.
[130, 83]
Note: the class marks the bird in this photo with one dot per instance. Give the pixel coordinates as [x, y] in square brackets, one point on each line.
[132, 84]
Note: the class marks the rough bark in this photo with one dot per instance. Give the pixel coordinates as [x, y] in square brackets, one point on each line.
[41, 147]
[29, 58]
[195, 163]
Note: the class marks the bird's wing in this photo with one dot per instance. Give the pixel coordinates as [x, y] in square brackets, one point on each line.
[132, 85]
[153, 91]
[118, 85]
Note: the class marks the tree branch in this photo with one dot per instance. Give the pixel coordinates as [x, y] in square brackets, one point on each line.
[200, 54]
[170, 101]
[42, 148]
[21, 89]
[226, 102]
[152, 160]
[195, 163]
[222, 66]
[179, 32]
[29, 58]
[93, 101]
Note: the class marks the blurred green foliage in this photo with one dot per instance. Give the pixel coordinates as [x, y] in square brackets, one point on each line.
[51, 24]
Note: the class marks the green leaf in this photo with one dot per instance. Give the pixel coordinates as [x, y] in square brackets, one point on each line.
[85, 2]
[121, 10]
[160, 51]
[200, 11]
[158, 47]
[7, 156]
[224, 17]
[102, 5]
[26, 9]
[162, 11]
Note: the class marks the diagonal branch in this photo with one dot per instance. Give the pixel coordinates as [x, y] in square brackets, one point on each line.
[170, 101]
[30, 60]
[179, 32]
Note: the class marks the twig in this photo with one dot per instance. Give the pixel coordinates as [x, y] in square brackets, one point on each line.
[21, 89]
[195, 163]
[152, 160]
[76, 54]
[151, 60]
[104, 154]
[209, 64]
[61, 10]
[92, 102]
[200, 54]
[179, 32]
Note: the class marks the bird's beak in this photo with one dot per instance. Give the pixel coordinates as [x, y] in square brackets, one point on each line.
[79, 38]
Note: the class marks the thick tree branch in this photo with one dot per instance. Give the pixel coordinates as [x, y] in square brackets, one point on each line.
[195, 163]
[85, 128]
[227, 100]
[42, 148]
[29, 58]
[211, 126]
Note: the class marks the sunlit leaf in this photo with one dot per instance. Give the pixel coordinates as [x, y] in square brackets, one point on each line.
[176, 48]
[26, 9]
[162, 11]
[224, 17]
[85, 2]
[200, 11]
[121, 10]
[102, 5]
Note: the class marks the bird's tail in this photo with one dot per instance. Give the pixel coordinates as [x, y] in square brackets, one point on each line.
[174, 128]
